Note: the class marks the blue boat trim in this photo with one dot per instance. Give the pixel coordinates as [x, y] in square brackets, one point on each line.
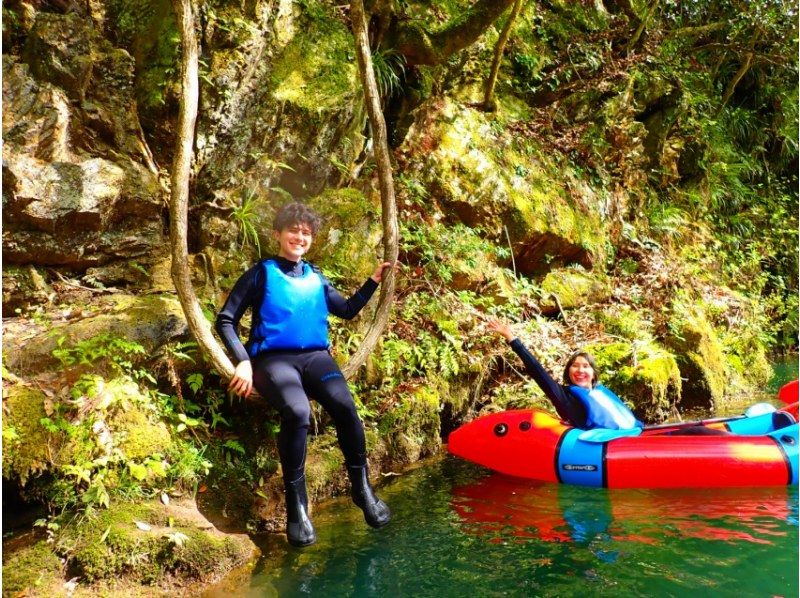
[557, 453]
[786, 440]
[580, 462]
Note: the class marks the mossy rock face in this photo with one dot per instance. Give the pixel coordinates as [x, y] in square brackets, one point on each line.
[137, 435]
[299, 125]
[147, 542]
[150, 320]
[573, 287]
[27, 449]
[348, 245]
[317, 71]
[32, 571]
[479, 172]
[643, 374]
[411, 427]
[631, 324]
[456, 254]
[325, 470]
[701, 357]
[742, 321]
[748, 358]
[40, 438]
[79, 187]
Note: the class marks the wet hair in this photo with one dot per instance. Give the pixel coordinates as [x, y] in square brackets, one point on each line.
[297, 213]
[572, 359]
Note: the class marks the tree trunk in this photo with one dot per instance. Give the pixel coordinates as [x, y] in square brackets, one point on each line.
[179, 193]
[499, 48]
[747, 61]
[642, 26]
[380, 148]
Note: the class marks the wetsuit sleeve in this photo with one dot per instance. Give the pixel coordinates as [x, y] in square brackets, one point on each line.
[244, 295]
[348, 308]
[568, 407]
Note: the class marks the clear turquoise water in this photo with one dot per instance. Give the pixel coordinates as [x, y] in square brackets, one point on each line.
[461, 531]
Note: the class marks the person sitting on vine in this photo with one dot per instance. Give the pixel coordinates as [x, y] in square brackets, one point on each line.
[287, 358]
[580, 401]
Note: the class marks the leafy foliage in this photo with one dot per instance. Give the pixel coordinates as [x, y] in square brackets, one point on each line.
[389, 67]
[245, 217]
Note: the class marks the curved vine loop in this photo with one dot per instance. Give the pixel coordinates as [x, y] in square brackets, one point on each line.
[385, 182]
[179, 193]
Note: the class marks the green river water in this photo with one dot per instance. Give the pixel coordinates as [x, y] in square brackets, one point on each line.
[459, 530]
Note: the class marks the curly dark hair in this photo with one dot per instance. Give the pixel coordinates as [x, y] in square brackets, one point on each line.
[588, 358]
[297, 213]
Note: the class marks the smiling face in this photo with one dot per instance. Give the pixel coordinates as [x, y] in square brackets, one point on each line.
[294, 241]
[581, 372]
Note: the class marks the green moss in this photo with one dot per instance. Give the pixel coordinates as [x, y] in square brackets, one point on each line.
[457, 254]
[324, 464]
[490, 178]
[111, 545]
[574, 287]
[700, 354]
[545, 207]
[109, 439]
[317, 69]
[411, 427]
[29, 569]
[347, 245]
[147, 29]
[643, 373]
[745, 338]
[626, 322]
[27, 446]
[137, 436]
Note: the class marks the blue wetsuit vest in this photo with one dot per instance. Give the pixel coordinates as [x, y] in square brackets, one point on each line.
[293, 314]
[604, 409]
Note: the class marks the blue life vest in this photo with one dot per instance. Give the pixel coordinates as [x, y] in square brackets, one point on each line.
[293, 314]
[604, 409]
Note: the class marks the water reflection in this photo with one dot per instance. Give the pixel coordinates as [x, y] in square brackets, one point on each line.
[460, 531]
[509, 508]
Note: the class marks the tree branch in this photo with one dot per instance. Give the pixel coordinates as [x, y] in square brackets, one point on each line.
[179, 193]
[422, 47]
[488, 102]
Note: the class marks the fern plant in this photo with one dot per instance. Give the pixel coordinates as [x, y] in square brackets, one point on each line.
[390, 71]
[245, 217]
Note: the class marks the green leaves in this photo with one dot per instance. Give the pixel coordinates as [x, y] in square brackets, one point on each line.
[186, 422]
[119, 354]
[246, 218]
[390, 70]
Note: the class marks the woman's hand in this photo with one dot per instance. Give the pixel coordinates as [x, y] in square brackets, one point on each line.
[377, 276]
[242, 381]
[500, 328]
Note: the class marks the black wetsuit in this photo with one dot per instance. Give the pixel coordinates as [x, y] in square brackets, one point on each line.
[286, 379]
[569, 407]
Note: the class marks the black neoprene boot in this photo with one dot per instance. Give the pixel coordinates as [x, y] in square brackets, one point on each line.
[376, 512]
[299, 530]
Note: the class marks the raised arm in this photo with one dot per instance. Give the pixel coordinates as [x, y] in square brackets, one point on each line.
[569, 408]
